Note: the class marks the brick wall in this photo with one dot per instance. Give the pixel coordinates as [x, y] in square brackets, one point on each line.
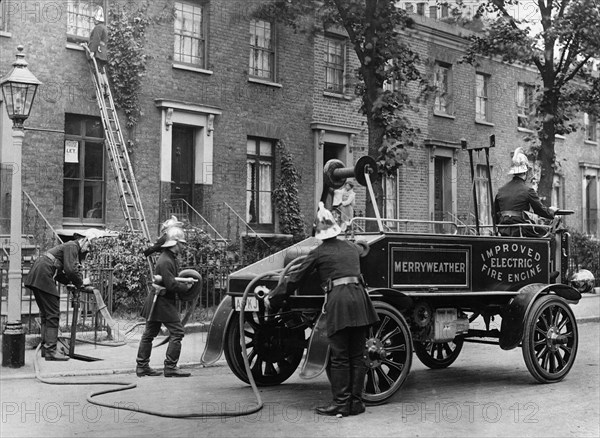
[284, 112]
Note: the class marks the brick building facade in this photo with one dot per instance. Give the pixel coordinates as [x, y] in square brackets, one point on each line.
[480, 101]
[209, 123]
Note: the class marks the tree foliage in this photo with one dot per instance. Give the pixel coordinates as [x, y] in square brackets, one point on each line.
[560, 39]
[128, 58]
[386, 64]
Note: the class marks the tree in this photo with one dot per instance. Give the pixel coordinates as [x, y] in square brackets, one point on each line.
[561, 39]
[374, 29]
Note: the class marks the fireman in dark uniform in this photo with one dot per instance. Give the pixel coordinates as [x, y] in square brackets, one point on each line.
[348, 308]
[517, 196]
[98, 46]
[163, 310]
[60, 263]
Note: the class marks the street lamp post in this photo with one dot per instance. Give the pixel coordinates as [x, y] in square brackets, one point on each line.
[18, 88]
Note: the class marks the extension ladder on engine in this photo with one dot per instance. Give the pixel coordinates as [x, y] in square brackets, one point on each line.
[129, 196]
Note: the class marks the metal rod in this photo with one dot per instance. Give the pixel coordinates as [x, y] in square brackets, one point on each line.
[58, 131]
[75, 298]
[474, 191]
[343, 172]
[374, 202]
[476, 341]
[489, 178]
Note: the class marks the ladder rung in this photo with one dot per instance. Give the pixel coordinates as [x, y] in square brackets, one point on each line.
[115, 145]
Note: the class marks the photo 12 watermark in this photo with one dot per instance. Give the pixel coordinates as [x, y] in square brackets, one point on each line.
[468, 411]
[68, 412]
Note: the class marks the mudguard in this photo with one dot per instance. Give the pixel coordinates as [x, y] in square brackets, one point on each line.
[317, 354]
[216, 332]
[513, 320]
[391, 296]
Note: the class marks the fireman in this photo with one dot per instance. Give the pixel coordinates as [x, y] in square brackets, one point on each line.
[517, 197]
[161, 309]
[61, 263]
[348, 310]
[99, 48]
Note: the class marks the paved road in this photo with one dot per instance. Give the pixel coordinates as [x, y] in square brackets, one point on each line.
[486, 392]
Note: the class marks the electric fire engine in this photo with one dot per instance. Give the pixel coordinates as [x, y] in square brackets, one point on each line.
[435, 285]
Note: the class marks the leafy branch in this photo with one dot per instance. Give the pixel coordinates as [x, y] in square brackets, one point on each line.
[128, 59]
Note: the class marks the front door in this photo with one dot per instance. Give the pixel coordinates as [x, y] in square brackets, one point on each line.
[182, 164]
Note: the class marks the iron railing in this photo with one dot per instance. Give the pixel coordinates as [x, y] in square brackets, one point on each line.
[225, 226]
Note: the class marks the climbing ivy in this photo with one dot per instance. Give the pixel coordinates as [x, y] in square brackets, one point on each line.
[285, 195]
[127, 56]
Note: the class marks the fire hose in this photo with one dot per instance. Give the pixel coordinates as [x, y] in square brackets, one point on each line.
[124, 386]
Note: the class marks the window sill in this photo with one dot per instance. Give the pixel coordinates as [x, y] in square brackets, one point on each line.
[525, 130]
[70, 228]
[181, 66]
[483, 122]
[5, 34]
[443, 115]
[265, 82]
[74, 46]
[590, 142]
[267, 235]
[341, 96]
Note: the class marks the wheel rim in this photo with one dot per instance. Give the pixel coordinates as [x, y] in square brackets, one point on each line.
[439, 354]
[274, 351]
[551, 342]
[388, 356]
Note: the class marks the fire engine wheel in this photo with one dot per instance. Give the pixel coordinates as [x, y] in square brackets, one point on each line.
[274, 351]
[550, 339]
[437, 355]
[389, 354]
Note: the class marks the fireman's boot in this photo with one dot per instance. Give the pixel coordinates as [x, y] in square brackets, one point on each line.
[340, 388]
[172, 357]
[105, 89]
[43, 339]
[357, 406]
[143, 360]
[52, 351]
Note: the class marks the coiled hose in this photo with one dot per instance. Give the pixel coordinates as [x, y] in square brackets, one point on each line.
[124, 386]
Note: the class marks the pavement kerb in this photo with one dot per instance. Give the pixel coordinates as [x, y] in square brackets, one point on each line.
[88, 373]
[588, 319]
[588, 312]
[196, 327]
[199, 327]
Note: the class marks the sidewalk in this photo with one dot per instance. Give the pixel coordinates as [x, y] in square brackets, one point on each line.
[121, 359]
[117, 359]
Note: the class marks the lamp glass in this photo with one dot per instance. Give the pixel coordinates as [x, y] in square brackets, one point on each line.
[19, 98]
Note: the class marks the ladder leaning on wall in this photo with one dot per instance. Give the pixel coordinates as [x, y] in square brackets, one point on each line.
[129, 196]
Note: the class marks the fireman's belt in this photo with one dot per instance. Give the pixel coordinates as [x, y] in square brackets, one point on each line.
[512, 213]
[344, 280]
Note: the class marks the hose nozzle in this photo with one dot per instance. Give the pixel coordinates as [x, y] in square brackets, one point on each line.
[261, 292]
